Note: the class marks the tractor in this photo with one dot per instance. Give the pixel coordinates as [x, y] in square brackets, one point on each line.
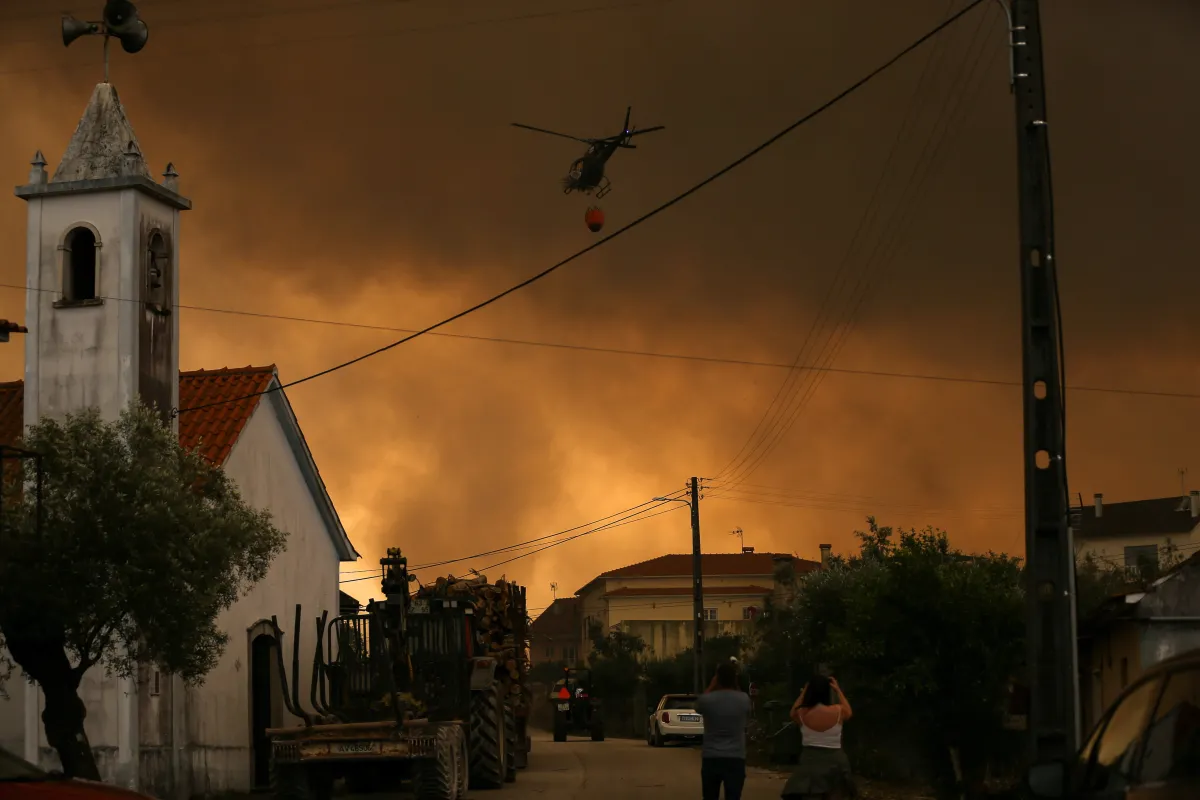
[575, 708]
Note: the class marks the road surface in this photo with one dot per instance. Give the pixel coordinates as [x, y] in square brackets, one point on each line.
[615, 769]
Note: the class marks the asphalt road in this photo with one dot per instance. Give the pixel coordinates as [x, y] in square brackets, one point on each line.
[579, 769]
[615, 769]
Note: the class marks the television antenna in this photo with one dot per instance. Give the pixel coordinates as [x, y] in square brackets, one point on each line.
[554, 590]
[119, 21]
[738, 532]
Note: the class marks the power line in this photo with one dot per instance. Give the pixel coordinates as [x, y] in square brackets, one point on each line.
[627, 227]
[740, 362]
[624, 516]
[886, 244]
[737, 460]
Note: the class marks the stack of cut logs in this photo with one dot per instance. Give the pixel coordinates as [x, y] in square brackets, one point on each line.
[500, 620]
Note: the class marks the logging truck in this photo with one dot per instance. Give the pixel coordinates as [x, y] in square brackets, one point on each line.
[426, 688]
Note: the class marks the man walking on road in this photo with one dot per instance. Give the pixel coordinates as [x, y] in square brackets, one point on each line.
[726, 711]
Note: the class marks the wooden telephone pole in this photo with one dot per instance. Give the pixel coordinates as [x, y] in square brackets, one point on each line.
[1049, 553]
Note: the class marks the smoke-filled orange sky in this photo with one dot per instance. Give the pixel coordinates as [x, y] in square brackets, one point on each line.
[355, 163]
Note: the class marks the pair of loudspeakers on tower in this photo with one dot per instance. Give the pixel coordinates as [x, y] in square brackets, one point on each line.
[120, 21]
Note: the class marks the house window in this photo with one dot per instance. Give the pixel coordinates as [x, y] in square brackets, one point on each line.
[155, 682]
[710, 614]
[80, 258]
[569, 655]
[1141, 555]
[550, 652]
[748, 613]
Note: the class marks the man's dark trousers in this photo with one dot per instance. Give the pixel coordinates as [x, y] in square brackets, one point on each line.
[715, 772]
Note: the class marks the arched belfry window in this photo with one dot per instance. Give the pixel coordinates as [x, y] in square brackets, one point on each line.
[158, 271]
[81, 261]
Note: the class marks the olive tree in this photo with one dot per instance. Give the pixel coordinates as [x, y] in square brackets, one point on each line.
[139, 545]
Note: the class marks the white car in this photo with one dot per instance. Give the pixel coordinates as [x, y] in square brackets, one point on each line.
[675, 718]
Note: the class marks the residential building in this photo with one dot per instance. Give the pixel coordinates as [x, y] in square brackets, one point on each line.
[102, 263]
[1135, 630]
[1131, 532]
[653, 599]
[556, 635]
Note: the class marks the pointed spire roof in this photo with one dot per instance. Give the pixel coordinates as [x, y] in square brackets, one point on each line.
[104, 143]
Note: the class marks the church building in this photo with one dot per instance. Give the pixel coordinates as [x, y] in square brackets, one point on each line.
[102, 277]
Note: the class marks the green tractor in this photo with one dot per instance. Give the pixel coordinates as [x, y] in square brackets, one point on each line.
[575, 708]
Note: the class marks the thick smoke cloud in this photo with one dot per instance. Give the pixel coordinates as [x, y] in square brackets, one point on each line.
[376, 180]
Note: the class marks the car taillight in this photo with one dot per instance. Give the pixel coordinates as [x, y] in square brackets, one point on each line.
[666, 717]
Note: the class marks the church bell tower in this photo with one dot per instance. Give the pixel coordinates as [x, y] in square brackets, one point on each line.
[101, 267]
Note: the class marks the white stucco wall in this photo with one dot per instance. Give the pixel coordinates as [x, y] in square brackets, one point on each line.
[218, 714]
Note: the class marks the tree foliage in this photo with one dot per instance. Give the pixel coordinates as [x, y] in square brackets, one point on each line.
[924, 638]
[139, 545]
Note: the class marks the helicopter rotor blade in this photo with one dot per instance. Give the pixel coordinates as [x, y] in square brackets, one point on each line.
[553, 133]
[648, 130]
[628, 111]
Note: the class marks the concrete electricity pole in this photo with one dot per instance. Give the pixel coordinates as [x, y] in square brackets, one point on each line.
[1049, 554]
[697, 593]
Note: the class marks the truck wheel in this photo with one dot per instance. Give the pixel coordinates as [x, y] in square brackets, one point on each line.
[488, 759]
[293, 781]
[597, 731]
[462, 764]
[510, 744]
[560, 726]
[437, 778]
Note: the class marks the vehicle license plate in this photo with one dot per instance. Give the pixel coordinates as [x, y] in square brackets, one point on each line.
[564, 706]
[689, 717]
[354, 748]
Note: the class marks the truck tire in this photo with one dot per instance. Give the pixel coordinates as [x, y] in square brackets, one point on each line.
[294, 781]
[487, 739]
[437, 778]
[463, 764]
[597, 730]
[510, 744]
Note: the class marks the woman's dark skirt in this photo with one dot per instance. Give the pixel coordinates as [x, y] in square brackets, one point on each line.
[822, 772]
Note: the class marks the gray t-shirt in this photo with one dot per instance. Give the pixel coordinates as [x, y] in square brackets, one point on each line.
[726, 714]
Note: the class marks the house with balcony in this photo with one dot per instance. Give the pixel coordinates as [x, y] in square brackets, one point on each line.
[1135, 532]
[653, 599]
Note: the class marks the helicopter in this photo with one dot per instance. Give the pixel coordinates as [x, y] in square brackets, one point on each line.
[587, 172]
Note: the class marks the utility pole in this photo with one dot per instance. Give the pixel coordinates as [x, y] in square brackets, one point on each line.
[697, 593]
[1050, 560]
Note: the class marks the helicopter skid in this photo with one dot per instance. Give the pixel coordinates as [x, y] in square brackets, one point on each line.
[603, 190]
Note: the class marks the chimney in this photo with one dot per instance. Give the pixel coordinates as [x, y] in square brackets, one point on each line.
[825, 550]
[1194, 496]
[1099, 498]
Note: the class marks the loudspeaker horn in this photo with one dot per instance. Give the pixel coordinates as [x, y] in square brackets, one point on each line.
[73, 28]
[121, 20]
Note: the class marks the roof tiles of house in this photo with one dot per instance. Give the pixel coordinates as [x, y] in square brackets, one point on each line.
[213, 430]
[560, 618]
[711, 564]
[671, 591]
[1161, 516]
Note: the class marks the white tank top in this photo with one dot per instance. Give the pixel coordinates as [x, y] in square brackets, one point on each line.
[830, 739]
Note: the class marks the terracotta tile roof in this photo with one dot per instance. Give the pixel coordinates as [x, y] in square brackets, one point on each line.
[561, 618]
[678, 564]
[214, 430]
[1161, 516]
[665, 591]
[12, 410]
